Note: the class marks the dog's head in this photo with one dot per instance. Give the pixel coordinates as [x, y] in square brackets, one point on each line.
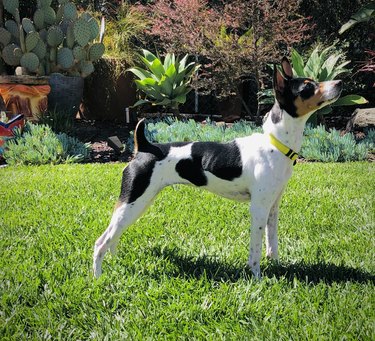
[302, 96]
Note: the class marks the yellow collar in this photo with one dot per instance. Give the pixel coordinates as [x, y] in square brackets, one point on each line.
[288, 152]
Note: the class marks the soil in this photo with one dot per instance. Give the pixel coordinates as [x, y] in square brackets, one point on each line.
[97, 133]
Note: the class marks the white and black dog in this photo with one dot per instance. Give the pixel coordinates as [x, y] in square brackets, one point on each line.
[257, 167]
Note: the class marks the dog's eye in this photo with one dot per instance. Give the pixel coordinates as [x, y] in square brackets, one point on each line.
[308, 90]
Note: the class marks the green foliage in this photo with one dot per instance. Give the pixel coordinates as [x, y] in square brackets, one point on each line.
[321, 145]
[366, 13]
[180, 273]
[164, 82]
[60, 122]
[38, 145]
[173, 130]
[124, 32]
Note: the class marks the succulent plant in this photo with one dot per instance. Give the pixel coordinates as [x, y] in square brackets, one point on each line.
[52, 40]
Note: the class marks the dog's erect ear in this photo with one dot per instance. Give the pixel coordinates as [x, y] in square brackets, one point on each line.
[278, 82]
[287, 68]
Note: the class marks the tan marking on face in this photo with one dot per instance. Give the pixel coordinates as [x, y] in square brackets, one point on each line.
[306, 106]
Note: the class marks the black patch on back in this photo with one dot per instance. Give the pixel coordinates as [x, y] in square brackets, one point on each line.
[221, 159]
[136, 176]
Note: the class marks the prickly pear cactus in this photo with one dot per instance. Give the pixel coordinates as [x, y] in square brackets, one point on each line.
[11, 6]
[55, 36]
[79, 53]
[62, 41]
[82, 32]
[12, 54]
[49, 15]
[12, 27]
[28, 25]
[70, 11]
[39, 19]
[87, 68]
[31, 40]
[5, 36]
[65, 58]
[30, 61]
[40, 49]
[96, 51]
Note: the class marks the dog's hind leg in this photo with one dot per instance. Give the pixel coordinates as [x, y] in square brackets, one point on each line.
[125, 214]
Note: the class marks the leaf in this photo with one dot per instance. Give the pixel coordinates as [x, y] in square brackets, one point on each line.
[325, 111]
[140, 102]
[364, 14]
[139, 72]
[150, 57]
[298, 64]
[350, 100]
[313, 64]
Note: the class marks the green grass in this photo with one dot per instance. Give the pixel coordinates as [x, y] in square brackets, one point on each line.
[180, 270]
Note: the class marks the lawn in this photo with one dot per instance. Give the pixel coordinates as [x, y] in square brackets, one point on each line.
[180, 270]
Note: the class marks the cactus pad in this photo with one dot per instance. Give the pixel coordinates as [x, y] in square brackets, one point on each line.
[63, 2]
[12, 27]
[49, 15]
[11, 6]
[30, 61]
[44, 3]
[79, 53]
[5, 36]
[70, 11]
[54, 36]
[87, 68]
[82, 32]
[65, 58]
[96, 51]
[70, 36]
[40, 49]
[31, 40]
[12, 54]
[94, 28]
[39, 18]
[28, 25]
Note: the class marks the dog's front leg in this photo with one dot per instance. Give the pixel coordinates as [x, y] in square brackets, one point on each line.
[259, 215]
[271, 231]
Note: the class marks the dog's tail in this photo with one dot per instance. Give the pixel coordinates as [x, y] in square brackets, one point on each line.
[140, 141]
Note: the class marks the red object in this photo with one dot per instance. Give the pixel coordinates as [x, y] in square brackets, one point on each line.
[6, 129]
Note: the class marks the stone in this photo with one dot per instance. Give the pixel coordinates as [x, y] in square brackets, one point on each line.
[361, 119]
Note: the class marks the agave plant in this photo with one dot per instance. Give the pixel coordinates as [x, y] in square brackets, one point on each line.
[324, 66]
[165, 82]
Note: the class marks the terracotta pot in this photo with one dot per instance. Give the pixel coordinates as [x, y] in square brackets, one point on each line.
[25, 95]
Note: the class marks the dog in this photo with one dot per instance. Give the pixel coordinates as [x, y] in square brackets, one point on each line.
[257, 166]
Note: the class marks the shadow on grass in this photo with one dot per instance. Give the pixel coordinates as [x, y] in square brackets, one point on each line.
[217, 270]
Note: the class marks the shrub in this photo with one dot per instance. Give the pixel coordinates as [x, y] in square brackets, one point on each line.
[173, 130]
[38, 145]
[330, 146]
[234, 40]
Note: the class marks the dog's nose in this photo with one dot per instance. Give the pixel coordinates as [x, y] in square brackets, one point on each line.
[338, 84]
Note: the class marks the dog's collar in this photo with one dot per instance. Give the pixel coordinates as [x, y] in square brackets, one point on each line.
[288, 152]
